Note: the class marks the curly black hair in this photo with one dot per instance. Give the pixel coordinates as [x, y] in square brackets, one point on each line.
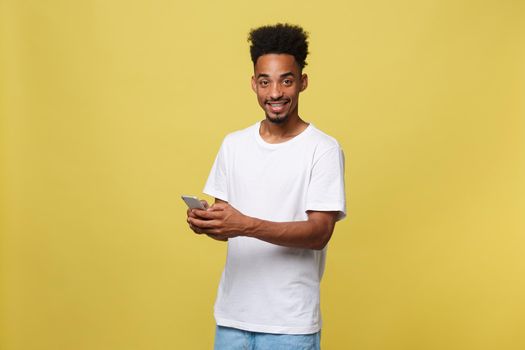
[279, 38]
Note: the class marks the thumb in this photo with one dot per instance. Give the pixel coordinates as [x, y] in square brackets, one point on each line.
[218, 206]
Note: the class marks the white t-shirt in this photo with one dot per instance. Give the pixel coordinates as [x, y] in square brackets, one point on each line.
[266, 287]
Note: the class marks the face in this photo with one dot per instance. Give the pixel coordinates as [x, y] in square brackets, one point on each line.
[277, 81]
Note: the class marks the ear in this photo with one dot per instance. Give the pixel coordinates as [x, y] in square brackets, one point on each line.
[254, 84]
[304, 82]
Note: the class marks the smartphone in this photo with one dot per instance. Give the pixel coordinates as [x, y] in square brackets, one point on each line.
[193, 202]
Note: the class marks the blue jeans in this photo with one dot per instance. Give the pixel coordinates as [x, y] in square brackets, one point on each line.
[227, 338]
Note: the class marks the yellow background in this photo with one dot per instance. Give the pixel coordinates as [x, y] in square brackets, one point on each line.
[110, 110]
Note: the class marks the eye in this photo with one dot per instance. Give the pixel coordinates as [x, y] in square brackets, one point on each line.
[263, 83]
[287, 82]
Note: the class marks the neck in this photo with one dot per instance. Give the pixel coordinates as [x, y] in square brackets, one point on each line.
[276, 133]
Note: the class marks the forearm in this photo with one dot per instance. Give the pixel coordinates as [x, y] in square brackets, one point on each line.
[222, 221]
[309, 234]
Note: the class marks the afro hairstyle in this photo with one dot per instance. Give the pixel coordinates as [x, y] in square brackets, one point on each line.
[279, 39]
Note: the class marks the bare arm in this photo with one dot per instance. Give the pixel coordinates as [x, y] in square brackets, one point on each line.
[224, 221]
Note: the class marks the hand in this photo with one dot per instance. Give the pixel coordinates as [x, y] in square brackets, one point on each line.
[197, 230]
[220, 221]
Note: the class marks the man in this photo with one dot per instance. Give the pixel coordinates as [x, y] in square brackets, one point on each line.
[279, 190]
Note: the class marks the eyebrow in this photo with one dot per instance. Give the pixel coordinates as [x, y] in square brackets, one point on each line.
[264, 75]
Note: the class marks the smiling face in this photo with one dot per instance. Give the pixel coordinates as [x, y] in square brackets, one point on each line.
[277, 81]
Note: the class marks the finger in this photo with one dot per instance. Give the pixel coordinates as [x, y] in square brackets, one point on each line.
[207, 215]
[219, 206]
[205, 224]
[194, 229]
[211, 231]
[195, 225]
[213, 208]
[197, 212]
[198, 224]
[189, 220]
[206, 205]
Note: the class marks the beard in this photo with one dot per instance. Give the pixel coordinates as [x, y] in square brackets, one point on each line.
[278, 119]
[282, 117]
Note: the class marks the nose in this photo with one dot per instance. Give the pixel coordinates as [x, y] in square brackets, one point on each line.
[276, 92]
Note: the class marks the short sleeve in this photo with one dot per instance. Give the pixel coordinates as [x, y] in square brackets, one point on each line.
[326, 190]
[217, 183]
